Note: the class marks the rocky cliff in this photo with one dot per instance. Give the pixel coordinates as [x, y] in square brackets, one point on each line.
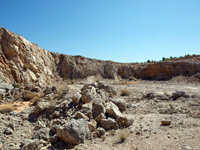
[22, 61]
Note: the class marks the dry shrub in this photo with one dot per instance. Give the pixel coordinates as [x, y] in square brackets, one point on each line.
[28, 95]
[131, 78]
[124, 92]
[5, 109]
[1, 97]
[26, 67]
[73, 81]
[123, 135]
[60, 91]
[35, 100]
[17, 96]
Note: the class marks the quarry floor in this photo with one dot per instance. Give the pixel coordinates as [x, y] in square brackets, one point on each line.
[147, 133]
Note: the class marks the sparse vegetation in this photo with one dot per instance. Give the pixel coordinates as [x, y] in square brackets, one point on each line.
[124, 92]
[5, 109]
[131, 78]
[26, 66]
[123, 135]
[73, 81]
[28, 95]
[165, 59]
[17, 96]
[1, 97]
[60, 90]
[35, 100]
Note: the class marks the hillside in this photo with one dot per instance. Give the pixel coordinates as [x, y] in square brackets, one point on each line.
[23, 62]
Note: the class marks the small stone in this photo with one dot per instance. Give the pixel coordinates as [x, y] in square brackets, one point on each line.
[12, 126]
[165, 123]
[109, 124]
[80, 115]
[100, 117]
[14, 113]
[8, 131]
[125, 121]
[92, 125]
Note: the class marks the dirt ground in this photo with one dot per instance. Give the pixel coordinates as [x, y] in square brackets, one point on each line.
[147, 133]
[149, 103]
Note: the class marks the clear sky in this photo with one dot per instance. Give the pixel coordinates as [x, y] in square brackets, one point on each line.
[118, 30]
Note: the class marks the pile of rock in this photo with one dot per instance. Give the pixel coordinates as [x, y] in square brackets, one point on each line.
[86, 114]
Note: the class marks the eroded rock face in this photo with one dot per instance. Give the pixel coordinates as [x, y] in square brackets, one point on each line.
[22, 61]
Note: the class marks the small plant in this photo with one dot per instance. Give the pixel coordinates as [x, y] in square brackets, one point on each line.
[131, 78]
[35, 100]
[123, 135]
[73, 81]
[28, 95]
[1, 97]
[124, 92]
[26, 66]
[17, 96]
[5, 109]
[60, 91]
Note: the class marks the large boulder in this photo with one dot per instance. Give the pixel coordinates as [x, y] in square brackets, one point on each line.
[112, 110]
[79, 115]
[109, 124]
[87, 110]
[73, 132]
[125, 121]
[120, 103]
[76, 97]
[89, 94]
[100, 117]
[98, 107]
[40, 106]
[42, 133]
[92, 125]
[178, 94]
[29, 144]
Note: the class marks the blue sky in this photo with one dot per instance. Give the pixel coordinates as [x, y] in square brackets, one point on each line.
[117, 30]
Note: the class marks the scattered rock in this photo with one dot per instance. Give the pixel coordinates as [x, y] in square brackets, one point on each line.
[12, 126]
[112, 110]
[92, 125]
[98, 107]
[120, 103]
[178, 94]
[89, 94]
[42, 133]
[29, 144]
[109, 124]
[99, 132]
[125, 121]
[80, 115]
[165, 123]
[76, 97]
[8, 131]
[100, 117]
[40, 106]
